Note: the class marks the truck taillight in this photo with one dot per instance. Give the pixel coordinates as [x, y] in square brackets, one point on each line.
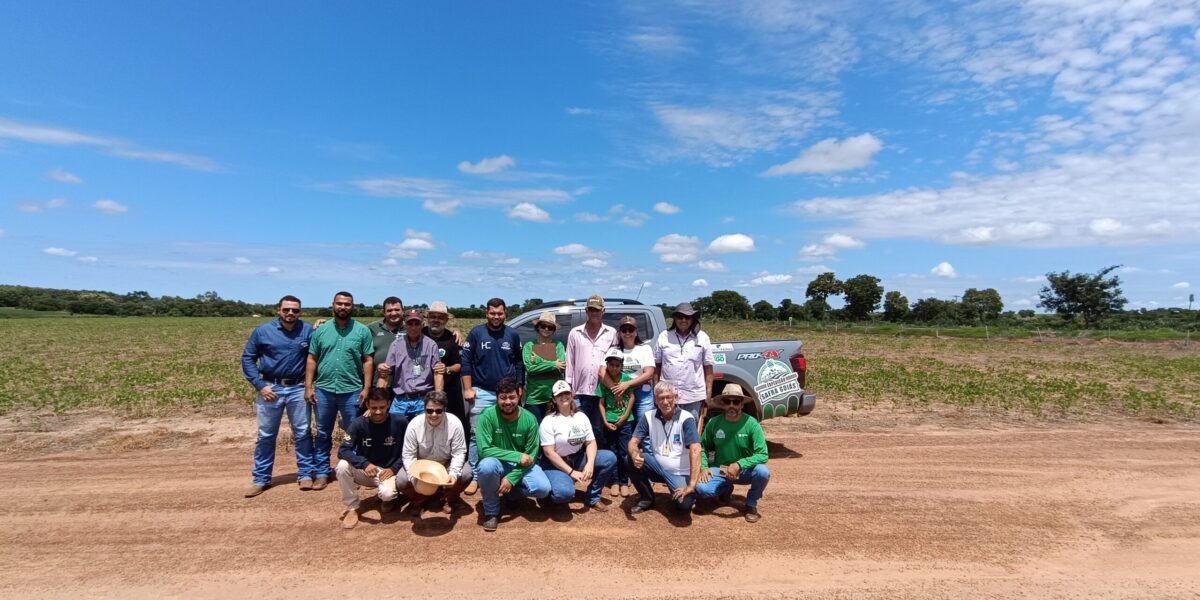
[800, 366]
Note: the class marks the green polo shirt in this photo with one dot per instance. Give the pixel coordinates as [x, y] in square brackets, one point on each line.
[383, 338]
[741, 441]
[339, 353]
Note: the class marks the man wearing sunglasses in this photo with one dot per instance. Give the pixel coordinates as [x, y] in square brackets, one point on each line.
[438, 436]
[273, 362]
[734, 452]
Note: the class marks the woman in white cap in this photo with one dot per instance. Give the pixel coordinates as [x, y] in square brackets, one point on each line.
[570, 453]
[545, 361]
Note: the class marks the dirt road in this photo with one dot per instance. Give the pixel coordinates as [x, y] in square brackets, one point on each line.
[153, 509]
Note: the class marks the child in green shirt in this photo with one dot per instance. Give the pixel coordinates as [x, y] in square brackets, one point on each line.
[616, 418]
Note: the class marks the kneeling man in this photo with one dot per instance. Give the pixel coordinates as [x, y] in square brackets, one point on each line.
[507, 438]
[736, 450]
[665, 447]
[438, 436]
[371, 455]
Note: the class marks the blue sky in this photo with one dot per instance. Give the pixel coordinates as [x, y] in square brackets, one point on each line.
[553, 150]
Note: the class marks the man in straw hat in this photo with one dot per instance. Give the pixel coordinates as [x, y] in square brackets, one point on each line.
[735, 452]
[438, 436]
[449, 342]
[371, 456]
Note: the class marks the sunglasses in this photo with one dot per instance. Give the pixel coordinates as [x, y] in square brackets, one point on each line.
[545, 326]
[434, 411]
[629, 330]
[731, 401]
[289, 310]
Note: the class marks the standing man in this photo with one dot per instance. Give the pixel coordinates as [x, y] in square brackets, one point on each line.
[492, 353]
[736, 450]
[411, 369]
[665, 447]
[586, 347]
[508, 451]
[385, 330]
[273, 362]
[684, 357]
[337, 377]
[371, 456]
[448, 343]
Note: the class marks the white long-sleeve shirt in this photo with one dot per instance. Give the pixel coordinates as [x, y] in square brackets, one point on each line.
[445, 443]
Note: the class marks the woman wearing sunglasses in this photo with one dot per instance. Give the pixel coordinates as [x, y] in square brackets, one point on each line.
[545, 362]
[570, 453]
[639, 365]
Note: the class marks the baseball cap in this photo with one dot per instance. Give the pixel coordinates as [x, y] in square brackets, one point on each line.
[560, 387]
[595, 301]
[412, 315]
[614, 353]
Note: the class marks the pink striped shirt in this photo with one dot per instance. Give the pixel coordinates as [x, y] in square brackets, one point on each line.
[585, 355]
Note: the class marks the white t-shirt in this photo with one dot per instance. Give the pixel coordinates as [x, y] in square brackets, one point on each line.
[640, 357]
[568, 434]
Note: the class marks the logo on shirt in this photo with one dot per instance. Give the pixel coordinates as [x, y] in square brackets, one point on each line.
[506, 346]
[389, 441]
[720, 434]
[441, 353]
[486, 345]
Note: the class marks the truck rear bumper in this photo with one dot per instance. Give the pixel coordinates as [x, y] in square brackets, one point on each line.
[808, 401]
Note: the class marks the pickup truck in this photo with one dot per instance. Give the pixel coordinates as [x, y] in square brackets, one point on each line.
[771, 371]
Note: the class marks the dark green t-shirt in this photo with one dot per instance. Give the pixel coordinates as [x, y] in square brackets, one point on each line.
[741, 441]
[339, 353]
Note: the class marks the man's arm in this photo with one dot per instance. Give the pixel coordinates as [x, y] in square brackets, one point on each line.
[368, 365]
[467, 370]
[531, 448]
[570, 355]
[486, 445]
[409, 453]
[250, 355]
[310, 375]
[758, 441]
[348, 451]
[458, 447]
[399, 427]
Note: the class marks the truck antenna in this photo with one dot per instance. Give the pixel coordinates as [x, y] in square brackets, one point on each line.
[639, 294]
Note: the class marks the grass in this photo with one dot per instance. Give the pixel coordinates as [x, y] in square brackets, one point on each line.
[153, 366]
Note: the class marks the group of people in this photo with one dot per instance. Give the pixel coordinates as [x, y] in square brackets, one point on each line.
[499, 418]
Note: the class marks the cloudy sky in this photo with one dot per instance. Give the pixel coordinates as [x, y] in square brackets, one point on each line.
[558, 149]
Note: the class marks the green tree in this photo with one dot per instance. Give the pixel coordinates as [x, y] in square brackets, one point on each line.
[764, 311]
[1086, 295]
[818, 292]
[725, 304]
[933, 310]
[862, 293]
[981, 305]
[791, 310]
[895, 307]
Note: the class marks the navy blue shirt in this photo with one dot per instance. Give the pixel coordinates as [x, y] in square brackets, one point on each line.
[489, 356]
[273, 352]
[370, 444]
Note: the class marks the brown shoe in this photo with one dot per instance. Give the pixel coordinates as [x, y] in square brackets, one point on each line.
[752, 515]
[306, 484]
[471, 488]
[255, 490]
[350, 519]
[453, 504]
[320, 483]
[598, 507]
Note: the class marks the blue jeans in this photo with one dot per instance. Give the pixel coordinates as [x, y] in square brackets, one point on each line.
[644, 404]
[693, 409]
[402, 405]
[719, 485]
[618, 443]
[562, 487]
[590, 405]
[270, 415]
[539, 410]
[491, 470]
[328, 406]
[652, 471]
[483, 400]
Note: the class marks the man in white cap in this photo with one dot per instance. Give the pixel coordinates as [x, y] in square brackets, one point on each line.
[438, 436]
[734, 452]
[586, 346]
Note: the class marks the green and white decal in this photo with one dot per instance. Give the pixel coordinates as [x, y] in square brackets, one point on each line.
[778, 389]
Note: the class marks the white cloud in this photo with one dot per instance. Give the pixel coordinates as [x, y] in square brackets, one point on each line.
[577, 250]
[241, 260]
[529, 212]
[36, 207]
[587, 217]
[658, 40]
[471, 254]
[488, 166]
[57, 136]
[56, 251]
[274, 270]
[595, 263]
[814, 270]
[416, 244]
[733, 242]
[711, 265]
[111, 207]
[842, 241]
[420, 235]
[511, 260]
[831, 156]
[396, 252]
[1034, 279]
[815, 252]
[1182, 285]
[62, 176]
[665, 208]
[87, 259]
[676, 248]
[944, 269]
[700, 283]
[391, 262]
[765, 278]
[441, 207]
[577, 110]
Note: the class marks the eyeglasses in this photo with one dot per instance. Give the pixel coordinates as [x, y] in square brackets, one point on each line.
[434, 411]
[732, 401]
[289, 310]
[629, 330]
[546, 326]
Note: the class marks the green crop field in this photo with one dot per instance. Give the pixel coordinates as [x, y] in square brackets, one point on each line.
[153, 366]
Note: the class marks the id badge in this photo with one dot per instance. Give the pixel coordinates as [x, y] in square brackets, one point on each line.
[416, 369]
[666, 449]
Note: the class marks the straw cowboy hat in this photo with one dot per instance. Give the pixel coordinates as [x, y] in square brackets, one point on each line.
[427, 476]
[546, 317]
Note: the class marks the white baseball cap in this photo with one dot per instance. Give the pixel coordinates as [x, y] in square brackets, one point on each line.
[560, 387]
